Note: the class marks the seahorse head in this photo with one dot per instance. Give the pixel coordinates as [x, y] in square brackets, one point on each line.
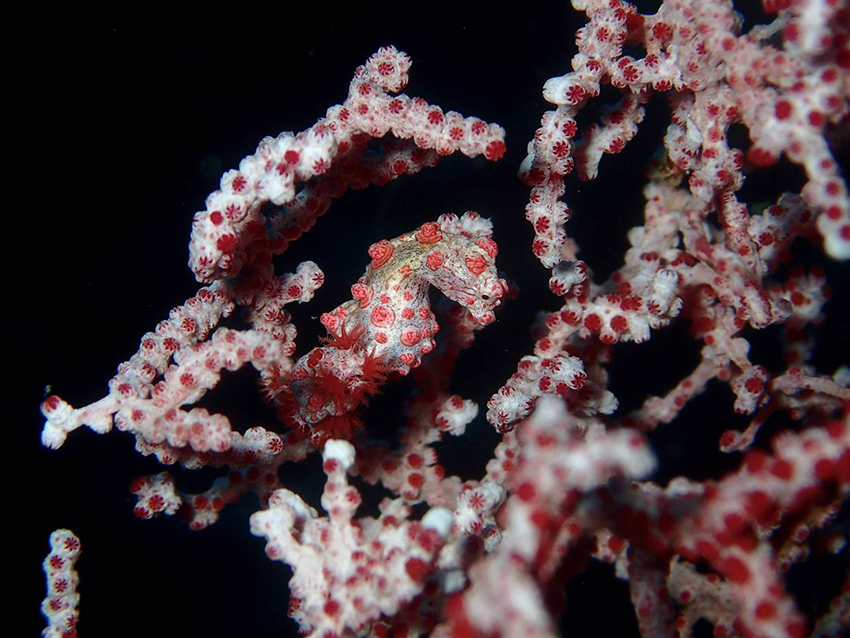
[462, 263]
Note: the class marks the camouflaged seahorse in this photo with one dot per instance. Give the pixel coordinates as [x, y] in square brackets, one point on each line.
[388, 325]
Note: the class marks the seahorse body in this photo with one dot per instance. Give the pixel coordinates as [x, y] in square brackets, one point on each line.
[388, 324]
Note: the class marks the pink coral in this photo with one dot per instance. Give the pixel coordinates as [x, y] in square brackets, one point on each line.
[707, 475]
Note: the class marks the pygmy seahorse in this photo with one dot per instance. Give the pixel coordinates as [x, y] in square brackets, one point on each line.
[388, 324]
